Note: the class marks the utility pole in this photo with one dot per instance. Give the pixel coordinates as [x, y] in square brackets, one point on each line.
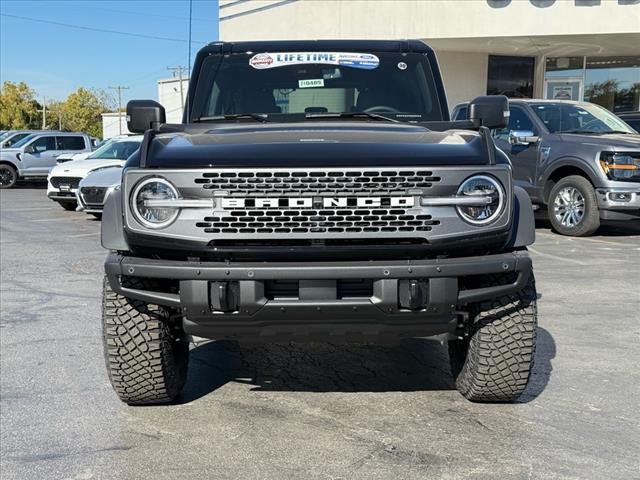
[179, 69]
[119, 88]
[44, 112]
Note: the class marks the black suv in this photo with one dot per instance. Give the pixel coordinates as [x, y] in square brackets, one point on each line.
[576, 159]
[316, 190]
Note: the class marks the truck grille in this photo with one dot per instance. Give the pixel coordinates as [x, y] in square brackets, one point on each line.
[355, 220]
[329, 182]
[93, 195]
[72, 182]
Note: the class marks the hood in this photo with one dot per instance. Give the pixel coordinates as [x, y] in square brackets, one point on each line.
[106, 177]
[609, 141]
[66, 157]
[335, 143]
[80, 168]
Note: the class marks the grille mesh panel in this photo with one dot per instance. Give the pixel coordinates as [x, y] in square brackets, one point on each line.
[93, 195]
[71, 181]
[327, 183]
[357, 220]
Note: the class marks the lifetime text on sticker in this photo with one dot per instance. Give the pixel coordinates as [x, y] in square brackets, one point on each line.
[366, 61]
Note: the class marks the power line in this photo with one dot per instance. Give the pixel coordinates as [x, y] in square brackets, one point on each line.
[119, 88]
[94, 29]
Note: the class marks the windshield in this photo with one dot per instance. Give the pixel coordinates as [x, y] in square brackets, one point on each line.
[579, 118]
[115, 150]
[26, 138]
[293, 86]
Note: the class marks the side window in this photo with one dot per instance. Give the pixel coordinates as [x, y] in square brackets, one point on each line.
[44, 144]
[15, 139]
[71, 143]
[518, 120]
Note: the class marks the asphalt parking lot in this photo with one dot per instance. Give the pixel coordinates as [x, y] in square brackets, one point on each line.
[312, 411]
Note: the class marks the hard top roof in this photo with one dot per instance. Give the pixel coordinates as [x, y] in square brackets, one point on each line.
[364, 46]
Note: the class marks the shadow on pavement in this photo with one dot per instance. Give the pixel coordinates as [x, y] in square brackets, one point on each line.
[413, 365]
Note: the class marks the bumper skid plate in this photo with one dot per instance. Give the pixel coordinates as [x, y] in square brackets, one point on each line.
[407, 298]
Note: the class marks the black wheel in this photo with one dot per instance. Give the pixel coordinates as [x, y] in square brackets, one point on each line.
[494, 363]
[146, 358]
[8, 176]
[69, 206]
[573, 207]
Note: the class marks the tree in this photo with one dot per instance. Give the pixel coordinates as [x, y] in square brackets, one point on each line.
[82, 110]
[18, 107]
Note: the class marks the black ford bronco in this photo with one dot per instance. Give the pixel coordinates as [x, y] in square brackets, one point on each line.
[317, 191]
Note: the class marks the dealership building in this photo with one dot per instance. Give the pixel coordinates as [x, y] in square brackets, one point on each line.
[566, 49]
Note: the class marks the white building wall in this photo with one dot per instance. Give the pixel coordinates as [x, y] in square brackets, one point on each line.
[110, 124]
[464, 75]
[312, 19]
[170, 98]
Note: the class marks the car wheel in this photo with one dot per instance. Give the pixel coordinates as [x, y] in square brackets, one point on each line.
[145, 351]
[8, 176]
[573, 207]
[494, 362]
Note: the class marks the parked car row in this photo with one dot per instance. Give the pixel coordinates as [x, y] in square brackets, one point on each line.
[577, 160]
[78, 177]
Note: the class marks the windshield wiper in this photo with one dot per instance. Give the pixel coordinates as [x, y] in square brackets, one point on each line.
[258, 117]
[594, 132]
[373, 116]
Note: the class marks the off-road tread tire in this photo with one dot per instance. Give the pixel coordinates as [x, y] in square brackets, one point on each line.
[69, 206]
[494, 365]
[145, 364]
[591, 220]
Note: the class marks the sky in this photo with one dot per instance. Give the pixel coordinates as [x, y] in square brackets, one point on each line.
[56, 59]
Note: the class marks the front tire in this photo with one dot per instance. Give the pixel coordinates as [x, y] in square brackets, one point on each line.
[8, 176]
[146, 363]
[573, 207]
[494, 363]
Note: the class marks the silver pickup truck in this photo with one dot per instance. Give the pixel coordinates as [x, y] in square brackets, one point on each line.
[36, 154]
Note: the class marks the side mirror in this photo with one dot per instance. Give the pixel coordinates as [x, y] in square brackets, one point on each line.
[143, 115]
[522, 137]
[29, 149]
[491, 111]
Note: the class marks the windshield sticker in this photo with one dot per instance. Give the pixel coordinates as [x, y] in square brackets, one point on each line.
[366, 61]
[311, 83]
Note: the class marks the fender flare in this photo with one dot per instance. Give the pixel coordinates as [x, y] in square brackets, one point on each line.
[523, 229]
[112, 226]
[574, 162]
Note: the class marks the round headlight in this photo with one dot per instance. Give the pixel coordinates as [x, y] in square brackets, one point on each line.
[147, 202]
[490, 195]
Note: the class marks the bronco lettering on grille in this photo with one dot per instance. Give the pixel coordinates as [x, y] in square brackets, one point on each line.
[326, 202]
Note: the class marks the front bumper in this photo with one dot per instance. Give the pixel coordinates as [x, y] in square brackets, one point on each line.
[62, 196]
[619, 203]
[407, 298]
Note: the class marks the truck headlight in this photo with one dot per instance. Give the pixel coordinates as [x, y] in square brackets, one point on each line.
[620, 166]
[151, 200]
[481, 186]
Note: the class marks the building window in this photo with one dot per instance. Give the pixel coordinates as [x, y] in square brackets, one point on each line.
[613, 82]
[510, 76]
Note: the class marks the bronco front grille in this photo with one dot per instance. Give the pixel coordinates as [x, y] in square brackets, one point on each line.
[72, 182]
[329, 182]
[351, 220]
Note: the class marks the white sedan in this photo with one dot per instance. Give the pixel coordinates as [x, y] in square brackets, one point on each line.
[64, 178]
